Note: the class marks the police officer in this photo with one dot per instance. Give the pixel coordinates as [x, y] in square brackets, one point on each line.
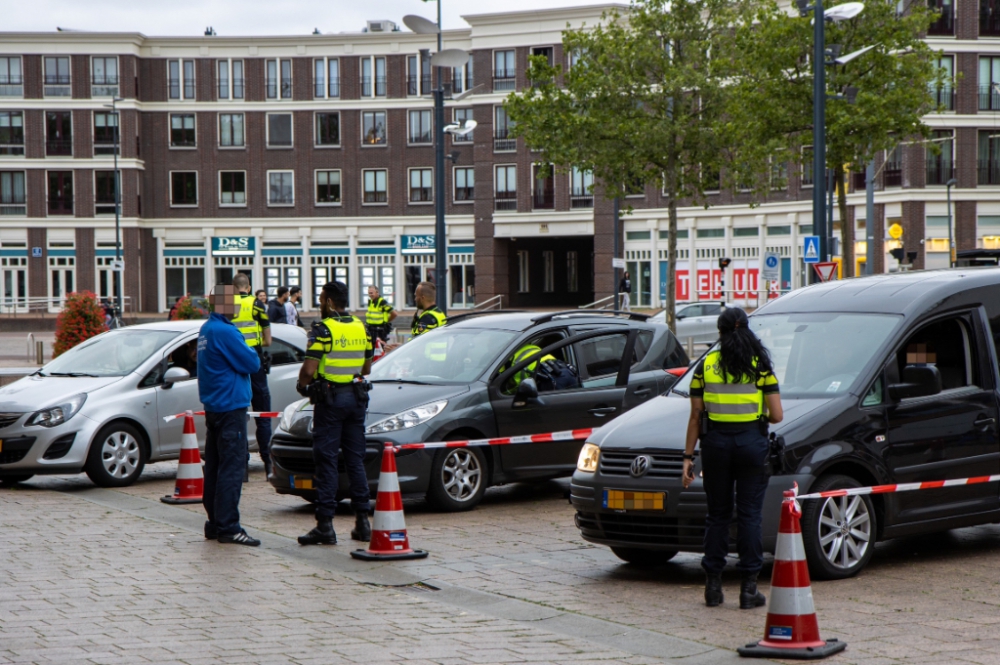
[252, 321]
[339, 353]
[379, 314]
[734, 394]
[428, 317]
[528, 370]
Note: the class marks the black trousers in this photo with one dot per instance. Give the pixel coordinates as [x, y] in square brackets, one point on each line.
[734, 460]
[225, 460]
[339, 425]
[261, 401]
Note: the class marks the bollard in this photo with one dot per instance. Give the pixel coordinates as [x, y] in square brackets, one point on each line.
[690, 347]
[40, 352]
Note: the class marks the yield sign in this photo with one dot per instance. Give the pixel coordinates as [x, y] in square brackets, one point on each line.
[826, 271]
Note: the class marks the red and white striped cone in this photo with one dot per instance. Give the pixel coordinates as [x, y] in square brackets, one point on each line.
[389, 540]
[791, 630]
[190, 481]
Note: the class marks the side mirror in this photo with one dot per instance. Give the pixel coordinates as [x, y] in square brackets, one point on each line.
[918, 381]
[526, 394]
[175, 374]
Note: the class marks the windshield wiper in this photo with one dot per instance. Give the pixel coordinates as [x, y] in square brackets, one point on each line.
[414, 382]
[71, 374]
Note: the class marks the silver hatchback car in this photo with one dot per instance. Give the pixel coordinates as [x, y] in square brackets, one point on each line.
[99, 407]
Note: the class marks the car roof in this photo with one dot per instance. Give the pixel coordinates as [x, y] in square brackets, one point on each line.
[285, 330]
[898, 293]
[519, 321]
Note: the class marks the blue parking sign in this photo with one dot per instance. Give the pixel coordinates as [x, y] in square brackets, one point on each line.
[810, 249]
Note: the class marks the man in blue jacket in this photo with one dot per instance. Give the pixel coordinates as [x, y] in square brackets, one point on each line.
[225, 364]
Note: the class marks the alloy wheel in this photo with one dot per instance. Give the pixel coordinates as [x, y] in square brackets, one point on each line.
[845, 531]
[461, 475]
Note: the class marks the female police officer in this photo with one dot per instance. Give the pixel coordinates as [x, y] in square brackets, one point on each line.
[735, 385]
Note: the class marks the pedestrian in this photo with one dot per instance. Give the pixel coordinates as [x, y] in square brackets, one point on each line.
[338, 355]
[276, 308]
[261, 296]
[292, 317]
[173, 308]
[225, 365]
[734, 395]
[252, 321]
[379, 315]
[624, 289]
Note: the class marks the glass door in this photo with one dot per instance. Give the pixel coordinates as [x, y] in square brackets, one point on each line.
[463, 286]
[62, 271]
[13, 284]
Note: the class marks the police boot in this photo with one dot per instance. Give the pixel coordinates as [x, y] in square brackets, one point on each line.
[362, 529]
[323, 534]
[267, 468]
[713, 589]
[750, 597]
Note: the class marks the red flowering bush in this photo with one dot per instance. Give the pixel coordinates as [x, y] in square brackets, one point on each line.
[82, 318]
[186, 309]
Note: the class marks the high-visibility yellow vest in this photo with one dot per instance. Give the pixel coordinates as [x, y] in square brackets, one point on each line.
[437, 351]
[344, 350]
[730, 402]
[378, 312]
[528, 370]
[249, 327]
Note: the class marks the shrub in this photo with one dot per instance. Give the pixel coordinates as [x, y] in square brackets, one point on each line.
[187, 309]
[82, 318]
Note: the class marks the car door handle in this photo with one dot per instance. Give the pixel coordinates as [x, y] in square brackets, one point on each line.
[983, 421]
[642, 392]
[602, 411]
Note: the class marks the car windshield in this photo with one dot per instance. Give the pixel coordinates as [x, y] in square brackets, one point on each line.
[817, 354]
[444, 356]
[114, 353]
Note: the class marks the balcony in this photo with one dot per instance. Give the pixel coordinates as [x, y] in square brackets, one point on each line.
[104, 86]
[237, 89]
[581, 200]
[11, 86]
[273, 86]
[939, 171]
[366, 86]
[58, 148]
[989, 99]
[61, 205]
[505, 201]
[57, 86]
[543, 199]
[504, 80]
[944, 98]
[989, 173]
[945, 24]
[417, 85]
[989, 19]
[502, 141]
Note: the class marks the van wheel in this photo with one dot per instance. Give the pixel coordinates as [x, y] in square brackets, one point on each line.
[117, 456]
[838, 533]
[644, 558]
[458, 479]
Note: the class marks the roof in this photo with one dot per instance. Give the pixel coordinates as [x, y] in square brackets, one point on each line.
[901, 293]
[523, 320]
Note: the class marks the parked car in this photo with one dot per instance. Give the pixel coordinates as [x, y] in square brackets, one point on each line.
[696, 321]
[99, 407]
[474, 393]
[887, 379]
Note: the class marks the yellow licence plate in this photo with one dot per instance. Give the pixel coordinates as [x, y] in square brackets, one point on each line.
[623, 500]
[301, 483]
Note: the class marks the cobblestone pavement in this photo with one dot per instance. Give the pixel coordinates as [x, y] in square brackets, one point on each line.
[516, 583]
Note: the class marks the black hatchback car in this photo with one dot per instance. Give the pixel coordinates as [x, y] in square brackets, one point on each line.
[475, 392]
[887, 379]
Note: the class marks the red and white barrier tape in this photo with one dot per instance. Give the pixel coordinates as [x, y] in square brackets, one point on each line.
[900, 487]
[252, 414]
[568, 435]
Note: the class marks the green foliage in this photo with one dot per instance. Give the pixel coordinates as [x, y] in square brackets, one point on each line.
[187, 309]
[82, 317]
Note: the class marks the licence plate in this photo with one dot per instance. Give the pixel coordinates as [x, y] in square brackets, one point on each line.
[625, 500]
[301, 483]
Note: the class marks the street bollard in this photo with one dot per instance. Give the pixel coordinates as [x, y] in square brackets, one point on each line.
[40, 352]
[690, 347]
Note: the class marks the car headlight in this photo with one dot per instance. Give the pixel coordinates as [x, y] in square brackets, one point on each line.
[288, 416]
[406, 419]
[589, 455]
[58, 414]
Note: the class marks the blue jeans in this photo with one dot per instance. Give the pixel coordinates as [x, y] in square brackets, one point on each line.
[261, 401]
[737, 458]
[225, 460]
[340, 424]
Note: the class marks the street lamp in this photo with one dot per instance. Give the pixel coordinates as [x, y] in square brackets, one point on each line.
[118, 267]
[951, 236]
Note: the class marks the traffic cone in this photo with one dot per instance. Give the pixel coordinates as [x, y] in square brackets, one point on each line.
[389, 540]
[791, 630]
[190, 481]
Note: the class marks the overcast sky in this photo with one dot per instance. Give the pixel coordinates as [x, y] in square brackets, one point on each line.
[242, 17]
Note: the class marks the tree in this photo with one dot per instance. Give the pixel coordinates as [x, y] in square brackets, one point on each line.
[649, 99]
[82, 317]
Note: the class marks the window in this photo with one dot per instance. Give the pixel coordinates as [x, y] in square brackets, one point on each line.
[543, 194]
[420, 127]
[461, 77]
[746, 231]
[280, 188]
[326, 78]
[460, 116]
[13, 200]
[638, 235]
[989, 76]
[279, 130]
[807, 166]
[374, 181]
[58, 133]
[11, 82]
[545, 52]
[230, 86]
[946, 345]
[989, 18]
[60, 192]
[778, 174]
[944, 93]
[56, 78]
[180, 79]
[572, 272]
[505, 188]
[711, 233]
[328, 129]
[502, 141]
[523, 274]
[418, 75]
[105, 132]
[184, 188]
[182, 130]
[231, 133]
[989, 157]
[465, 184]
[945, 23]
[232, 188]
[104, 76]
[549, 264]
[373, 128]
[11, 133]
[279, 79]
[581, 193]
[373, 77]
[504, 71]
[785, 230]
[600, 357]
[940, 167]
[421, 185]
[104, 193]
[328, 187]
[576, 57]
[284, 354]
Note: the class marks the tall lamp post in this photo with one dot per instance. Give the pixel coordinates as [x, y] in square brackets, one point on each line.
[118, 271]
[951, 234]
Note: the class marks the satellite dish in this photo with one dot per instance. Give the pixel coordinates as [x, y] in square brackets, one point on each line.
[450, 57]
[420, 25]
[843, 12]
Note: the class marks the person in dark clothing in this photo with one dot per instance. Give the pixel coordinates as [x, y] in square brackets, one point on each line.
[173, 308]
[624, 291]
[276, 308]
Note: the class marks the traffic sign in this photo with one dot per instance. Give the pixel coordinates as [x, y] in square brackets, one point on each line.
[118, 265]
[827, 271]
[618, 263]
[896, 231]
[36, 252]
[810, 249]
[771, 270]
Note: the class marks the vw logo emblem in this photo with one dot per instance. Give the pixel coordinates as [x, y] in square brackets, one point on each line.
[640, 465]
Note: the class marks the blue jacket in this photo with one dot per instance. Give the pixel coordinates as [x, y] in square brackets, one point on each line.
[225, 364]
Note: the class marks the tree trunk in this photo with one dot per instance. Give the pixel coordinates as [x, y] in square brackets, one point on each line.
[846, 225]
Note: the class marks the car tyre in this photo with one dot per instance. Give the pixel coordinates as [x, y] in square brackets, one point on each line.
[643, 558]
[117, 456]
[838, 533]
[458, 479]
[12, 479]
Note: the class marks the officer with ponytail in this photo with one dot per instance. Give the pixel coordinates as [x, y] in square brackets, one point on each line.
[734, 396]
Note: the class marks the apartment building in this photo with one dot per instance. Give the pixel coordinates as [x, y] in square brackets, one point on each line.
[306, 158]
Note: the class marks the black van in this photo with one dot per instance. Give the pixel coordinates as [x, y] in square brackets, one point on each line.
[885, 379]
